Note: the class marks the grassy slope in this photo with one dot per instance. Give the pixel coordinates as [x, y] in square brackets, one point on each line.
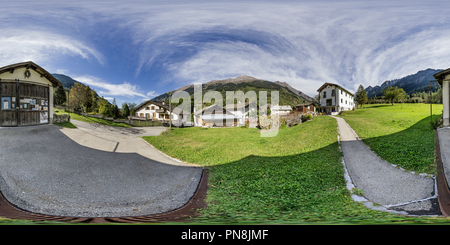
[401, 136]
[92, 119]
[296, 176]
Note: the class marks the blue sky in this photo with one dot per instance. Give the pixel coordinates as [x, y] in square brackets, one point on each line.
[135, 50]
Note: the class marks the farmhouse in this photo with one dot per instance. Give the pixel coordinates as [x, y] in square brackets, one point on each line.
[156, 111]
[443, 78]
[26, 92]
[334, 99]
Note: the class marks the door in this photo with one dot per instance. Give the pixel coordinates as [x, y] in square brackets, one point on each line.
[23, 104]
[8, 110]
[33, 107]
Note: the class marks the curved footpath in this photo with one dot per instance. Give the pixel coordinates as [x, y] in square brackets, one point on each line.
[91, 171]
[392, 188]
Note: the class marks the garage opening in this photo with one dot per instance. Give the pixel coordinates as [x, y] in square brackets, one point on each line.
[23, 104]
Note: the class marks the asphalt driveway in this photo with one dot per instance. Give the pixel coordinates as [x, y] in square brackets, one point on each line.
[44, 170]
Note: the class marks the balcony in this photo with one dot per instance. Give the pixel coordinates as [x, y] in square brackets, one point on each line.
[159, 110]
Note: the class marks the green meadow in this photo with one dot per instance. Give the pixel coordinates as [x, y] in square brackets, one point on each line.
[294, 177]
[399, 134]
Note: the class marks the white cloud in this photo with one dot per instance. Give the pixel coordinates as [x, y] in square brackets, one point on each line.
[104, 88]
[41, 47]
[346, 42]
[304, 43]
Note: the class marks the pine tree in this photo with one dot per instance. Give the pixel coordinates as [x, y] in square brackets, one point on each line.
[59, 96]
[125, 110]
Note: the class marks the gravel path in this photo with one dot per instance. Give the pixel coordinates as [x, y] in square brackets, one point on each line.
[42, 170]
[382, 182]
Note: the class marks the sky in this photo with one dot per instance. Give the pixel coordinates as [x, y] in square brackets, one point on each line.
[132, 51]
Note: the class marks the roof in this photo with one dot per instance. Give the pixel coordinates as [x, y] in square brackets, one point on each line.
[333, 84]
[160, 104]
[304, 104]
[210, 110]
[441, 75]
[218, 117]
[281, 107]
[32, 65]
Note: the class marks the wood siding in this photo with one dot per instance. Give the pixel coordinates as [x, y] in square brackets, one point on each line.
[29, 104]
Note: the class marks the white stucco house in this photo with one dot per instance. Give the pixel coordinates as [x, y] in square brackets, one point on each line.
[214, 116]
[156, 111]
[333, 99]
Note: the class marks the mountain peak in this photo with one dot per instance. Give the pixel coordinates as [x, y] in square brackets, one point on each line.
[239, 79]
[414, 83]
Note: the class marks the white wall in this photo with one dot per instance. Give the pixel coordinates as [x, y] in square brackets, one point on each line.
[144, 110]
[347, 99]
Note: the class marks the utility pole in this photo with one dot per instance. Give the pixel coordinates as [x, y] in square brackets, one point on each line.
[431, 104]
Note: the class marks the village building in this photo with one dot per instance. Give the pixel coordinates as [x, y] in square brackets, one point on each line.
[333, 99]
[304, 108]
[26, 92]
[246, 112]
[281, 110]
[215, 116]
[156, 111]
[443, 78]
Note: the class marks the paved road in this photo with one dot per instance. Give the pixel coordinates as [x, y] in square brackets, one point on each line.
[44, 170]
[383, 183]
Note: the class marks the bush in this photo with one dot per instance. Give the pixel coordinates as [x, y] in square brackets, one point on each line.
[306, 117]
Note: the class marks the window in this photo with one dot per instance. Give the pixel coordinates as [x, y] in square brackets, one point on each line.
[329, 102]
[324, 94]
[342, 101]
[333, 93]
[152, 107]
[342, 92]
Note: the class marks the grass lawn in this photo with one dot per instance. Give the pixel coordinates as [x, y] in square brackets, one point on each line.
[66, 125]
[92, 119]
[400, 134]
[295, 177]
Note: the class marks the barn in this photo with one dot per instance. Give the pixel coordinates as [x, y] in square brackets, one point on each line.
[26, 93]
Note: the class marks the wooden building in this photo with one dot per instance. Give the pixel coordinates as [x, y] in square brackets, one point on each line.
[26, 93]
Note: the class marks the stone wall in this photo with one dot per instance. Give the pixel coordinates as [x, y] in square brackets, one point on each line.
[61, 118]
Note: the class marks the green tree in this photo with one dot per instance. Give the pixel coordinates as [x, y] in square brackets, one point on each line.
[393, 93]
[104, 110]
[361, 96]
[59, 96]
[132, 108]
[125, 110]
[77, 96]
[87, 98]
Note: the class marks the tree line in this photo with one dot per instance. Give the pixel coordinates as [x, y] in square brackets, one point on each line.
[82, 98]
[398, 95]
